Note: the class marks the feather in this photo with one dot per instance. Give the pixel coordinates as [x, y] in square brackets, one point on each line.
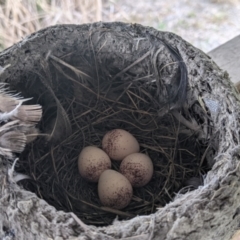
[8, 126]
[16, 133]
[19, 177]
[7, 102]
[11, 170]
[15, 176]
[60, 126]
[29, 113]
[12, 108]
[13, 140]
[29, 130]
[6, 153]
[177, 94]
[14, 136]
[6, 115]
[10, 138]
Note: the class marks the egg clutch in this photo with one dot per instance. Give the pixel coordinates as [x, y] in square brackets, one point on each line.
[115, 188]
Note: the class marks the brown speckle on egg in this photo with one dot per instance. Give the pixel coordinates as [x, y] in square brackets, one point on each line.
[114, 190]
[92, 162]
[119, 143]
[137, 168]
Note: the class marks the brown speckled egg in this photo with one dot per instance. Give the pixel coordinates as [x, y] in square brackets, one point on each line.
[92, 161]
[137, 168]
[114, 190]
[119, 143]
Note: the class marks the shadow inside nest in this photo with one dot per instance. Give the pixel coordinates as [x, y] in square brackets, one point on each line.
[82, 99]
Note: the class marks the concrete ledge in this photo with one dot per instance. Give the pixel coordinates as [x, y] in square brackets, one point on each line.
[227, 57]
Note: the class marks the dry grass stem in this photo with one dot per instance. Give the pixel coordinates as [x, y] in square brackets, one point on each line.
[19, 18]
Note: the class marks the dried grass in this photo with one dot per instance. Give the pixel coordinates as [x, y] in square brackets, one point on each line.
[19, 18]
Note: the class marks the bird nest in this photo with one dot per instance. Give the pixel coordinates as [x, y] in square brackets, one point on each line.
[90, 79]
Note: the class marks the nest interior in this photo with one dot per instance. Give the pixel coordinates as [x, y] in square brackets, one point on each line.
[111, 79]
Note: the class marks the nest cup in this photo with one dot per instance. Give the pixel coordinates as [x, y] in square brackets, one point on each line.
[90, 79]
[108, 81]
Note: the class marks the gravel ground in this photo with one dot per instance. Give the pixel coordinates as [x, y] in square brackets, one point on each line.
[204, 23]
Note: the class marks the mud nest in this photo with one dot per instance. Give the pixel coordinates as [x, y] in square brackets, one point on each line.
[111, 80]
[90, 79]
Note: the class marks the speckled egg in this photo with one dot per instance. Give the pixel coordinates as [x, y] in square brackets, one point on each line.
[114, 190]
[137, 168]
[92, 161]
[119, 143]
